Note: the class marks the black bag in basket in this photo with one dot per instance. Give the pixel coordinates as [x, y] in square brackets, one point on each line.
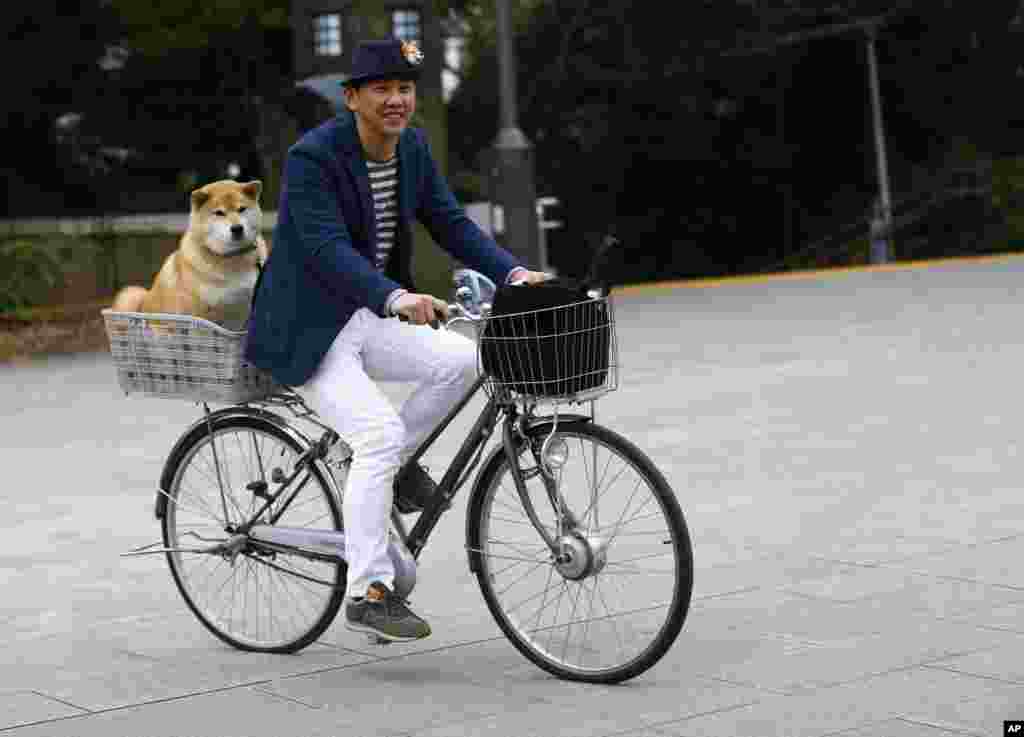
[548, 339]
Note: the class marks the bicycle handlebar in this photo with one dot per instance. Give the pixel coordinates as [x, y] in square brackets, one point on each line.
[456, 313]
[598, 281]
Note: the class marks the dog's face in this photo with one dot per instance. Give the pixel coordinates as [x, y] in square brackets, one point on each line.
[226, 216]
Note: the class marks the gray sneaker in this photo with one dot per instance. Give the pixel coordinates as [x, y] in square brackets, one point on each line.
[382, 613]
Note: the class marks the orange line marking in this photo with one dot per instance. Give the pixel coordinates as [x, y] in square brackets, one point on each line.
[712, 282]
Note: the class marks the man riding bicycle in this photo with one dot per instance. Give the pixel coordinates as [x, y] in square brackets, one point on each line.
[338, 269]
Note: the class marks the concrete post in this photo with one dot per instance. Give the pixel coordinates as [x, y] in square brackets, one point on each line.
[512, 176]
[881, 253]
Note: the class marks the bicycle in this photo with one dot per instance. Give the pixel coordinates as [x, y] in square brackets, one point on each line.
[250, 504]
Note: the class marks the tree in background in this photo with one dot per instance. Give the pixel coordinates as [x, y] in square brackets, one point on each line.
[719, 137]
[52, 53]
[716, 138]
[143, 100]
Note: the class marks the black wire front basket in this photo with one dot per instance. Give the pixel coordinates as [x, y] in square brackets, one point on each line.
[557, 354]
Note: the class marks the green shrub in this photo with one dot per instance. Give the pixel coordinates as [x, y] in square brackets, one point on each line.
[27, 273]
[1008, 194]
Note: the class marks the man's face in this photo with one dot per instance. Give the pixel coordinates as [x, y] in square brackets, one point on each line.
[384, 106]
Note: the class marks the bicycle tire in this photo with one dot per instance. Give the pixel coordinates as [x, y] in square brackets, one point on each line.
[179, 466]
[485, 562]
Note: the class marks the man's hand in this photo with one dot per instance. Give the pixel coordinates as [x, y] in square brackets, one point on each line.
[420, 309]
[531, 277]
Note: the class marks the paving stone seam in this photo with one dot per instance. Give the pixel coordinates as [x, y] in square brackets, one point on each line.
[915, 722]
[741, 684]
[802, 688]
[969, 674]
[889, 671]
[854, 603]
[989, 627]
[799, 690]
[965, 579]
[841, 561]
[151, 702]
[907, 563]
[995, 540]
[712, 597]
[333, 646]
[954, 547]
[385, 658]
[943, 726]
[283, 697]
[59, 701]
[816, 597]
[670, 722]
[933, 577]
[436, 724]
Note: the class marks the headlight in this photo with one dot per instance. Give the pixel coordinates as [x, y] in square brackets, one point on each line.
[555, 453]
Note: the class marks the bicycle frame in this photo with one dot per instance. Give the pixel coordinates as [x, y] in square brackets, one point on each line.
[318, 545]
[454, 477]
[462, 465]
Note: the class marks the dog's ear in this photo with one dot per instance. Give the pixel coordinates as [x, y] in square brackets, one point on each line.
[253, 188]
[199, 198]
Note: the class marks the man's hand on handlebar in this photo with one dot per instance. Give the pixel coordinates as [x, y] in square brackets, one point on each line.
[531, 277]
[425, 309]
[420, 309]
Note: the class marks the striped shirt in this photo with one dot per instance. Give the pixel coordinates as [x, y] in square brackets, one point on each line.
[384, 186]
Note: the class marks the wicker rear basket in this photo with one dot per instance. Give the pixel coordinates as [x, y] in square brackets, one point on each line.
[182, 357]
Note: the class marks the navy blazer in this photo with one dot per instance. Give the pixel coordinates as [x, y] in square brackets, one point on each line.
[321, 265]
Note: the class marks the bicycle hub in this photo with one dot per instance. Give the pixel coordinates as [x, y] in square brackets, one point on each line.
[580, 556]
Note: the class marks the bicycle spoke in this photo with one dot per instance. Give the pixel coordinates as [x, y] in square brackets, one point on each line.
[622, 524]
[597, 498]
[499, 556]
[510, 566]
[201, 512]
[586, 624]
[524, 575]
[262, 599]
[515, 546]
[580, 615]
[513, 521]
[547, 587]
[568, 630]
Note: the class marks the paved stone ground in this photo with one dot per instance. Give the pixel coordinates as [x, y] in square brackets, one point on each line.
[847, 451]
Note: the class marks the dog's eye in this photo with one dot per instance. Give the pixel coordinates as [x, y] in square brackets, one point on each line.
[219, 213]
[242, 209]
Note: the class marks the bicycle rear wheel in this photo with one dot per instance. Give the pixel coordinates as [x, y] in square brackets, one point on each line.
[616, 600]
[256, 600]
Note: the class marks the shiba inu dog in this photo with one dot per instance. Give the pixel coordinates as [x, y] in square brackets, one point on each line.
[213, 272]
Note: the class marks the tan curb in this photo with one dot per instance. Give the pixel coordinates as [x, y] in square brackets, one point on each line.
[810, 274]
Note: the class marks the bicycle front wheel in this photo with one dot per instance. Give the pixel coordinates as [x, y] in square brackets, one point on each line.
[256, 599]
[613, 601]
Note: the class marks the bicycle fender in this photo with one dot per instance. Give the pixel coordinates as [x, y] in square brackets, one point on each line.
[542, 426]
[200, 426]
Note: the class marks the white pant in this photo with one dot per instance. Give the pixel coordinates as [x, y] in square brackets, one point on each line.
[342, 391]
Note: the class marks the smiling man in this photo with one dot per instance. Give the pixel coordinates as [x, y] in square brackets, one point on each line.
[338, 271]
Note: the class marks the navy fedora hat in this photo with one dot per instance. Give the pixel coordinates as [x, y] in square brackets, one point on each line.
[390, 59]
